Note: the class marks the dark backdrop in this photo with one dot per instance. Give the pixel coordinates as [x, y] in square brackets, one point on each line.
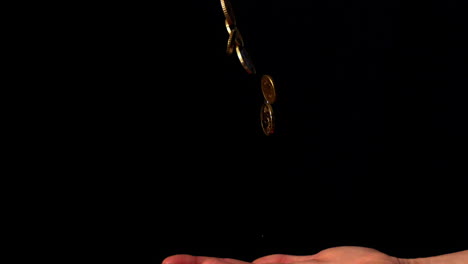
[370, 121]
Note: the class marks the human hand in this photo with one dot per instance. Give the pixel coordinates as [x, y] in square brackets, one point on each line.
[336, 255]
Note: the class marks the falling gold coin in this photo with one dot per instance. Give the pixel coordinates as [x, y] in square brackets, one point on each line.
[228, 12]
[228, 26]
[268, 89]
[235, 39]
[245, 60]
[267, 119]
[239, 39]
[231, 44]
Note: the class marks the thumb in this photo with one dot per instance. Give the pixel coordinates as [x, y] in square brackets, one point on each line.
[282, 259]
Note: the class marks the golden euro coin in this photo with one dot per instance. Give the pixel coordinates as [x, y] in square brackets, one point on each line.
[239, 39]
[268, 89]
[245, 60]
[267, 119]
[228, 12]
[228, 26]
[231, 44]
[235, 39]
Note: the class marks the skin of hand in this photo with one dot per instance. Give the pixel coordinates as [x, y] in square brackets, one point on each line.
[335, 255]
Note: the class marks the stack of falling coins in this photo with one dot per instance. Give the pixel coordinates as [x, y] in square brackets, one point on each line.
[236, 42]
[266, 113]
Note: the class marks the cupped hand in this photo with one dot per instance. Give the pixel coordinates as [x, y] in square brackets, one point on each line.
[335, 255]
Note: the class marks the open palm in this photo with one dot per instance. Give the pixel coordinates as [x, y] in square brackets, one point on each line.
[336, 255]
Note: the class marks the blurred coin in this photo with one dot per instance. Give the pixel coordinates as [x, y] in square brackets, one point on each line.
[231, 44]
[228, 12]
[245, 60]
[268, 88]
[228, 27]
[235, 39]
[267, 119]
[238, 38]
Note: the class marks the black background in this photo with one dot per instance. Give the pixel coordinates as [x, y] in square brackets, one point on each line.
[368, 148]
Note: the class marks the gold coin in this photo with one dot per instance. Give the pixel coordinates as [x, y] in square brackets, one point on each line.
[267, 119]
[245, 60]
[235, 39]
[268, 88]
[228, 26]
[239, 39]
[228, 12]
[231, 42]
